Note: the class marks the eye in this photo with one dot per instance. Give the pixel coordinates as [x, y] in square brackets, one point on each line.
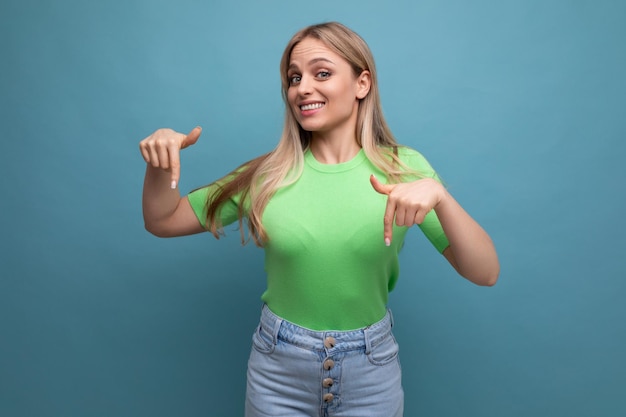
[323, 75]
[294, 79]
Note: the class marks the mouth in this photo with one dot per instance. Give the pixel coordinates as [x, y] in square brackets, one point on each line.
[311, 106]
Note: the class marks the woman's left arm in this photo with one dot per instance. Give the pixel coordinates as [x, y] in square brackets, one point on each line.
[471, 251]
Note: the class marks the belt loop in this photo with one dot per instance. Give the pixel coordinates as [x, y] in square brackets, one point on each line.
[390, 317]
[366, 336]
[277, 324]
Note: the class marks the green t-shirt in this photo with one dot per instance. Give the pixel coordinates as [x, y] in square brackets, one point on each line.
[326, 261]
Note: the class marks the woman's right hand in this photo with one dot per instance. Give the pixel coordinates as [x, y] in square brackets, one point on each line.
[162, 150]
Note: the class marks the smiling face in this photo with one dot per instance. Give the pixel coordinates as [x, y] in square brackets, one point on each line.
[323, 90]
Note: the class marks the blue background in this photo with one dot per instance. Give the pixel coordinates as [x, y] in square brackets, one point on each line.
[518, 104]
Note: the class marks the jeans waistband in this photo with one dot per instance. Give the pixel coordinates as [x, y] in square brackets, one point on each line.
[365, 338]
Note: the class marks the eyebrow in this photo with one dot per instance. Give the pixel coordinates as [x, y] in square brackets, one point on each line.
[313, 61]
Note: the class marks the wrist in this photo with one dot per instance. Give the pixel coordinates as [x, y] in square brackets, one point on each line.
[443, 197]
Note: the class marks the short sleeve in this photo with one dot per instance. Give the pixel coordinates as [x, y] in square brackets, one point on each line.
[431, 227]
[228, 212]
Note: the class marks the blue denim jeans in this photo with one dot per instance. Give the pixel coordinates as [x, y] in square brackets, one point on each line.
[298, 372]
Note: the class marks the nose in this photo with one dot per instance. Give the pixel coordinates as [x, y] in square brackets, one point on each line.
[305, 86]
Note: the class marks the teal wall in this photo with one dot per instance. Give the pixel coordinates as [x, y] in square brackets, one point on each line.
[519, 104]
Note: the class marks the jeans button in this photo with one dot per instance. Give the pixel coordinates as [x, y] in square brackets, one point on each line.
[328, 397]
[330, 342]
[327, 382]
[328, 364]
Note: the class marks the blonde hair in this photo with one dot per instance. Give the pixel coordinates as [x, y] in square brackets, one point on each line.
[258, 179]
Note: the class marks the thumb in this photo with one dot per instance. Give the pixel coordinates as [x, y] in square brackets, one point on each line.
[192, 137]
[380, 187]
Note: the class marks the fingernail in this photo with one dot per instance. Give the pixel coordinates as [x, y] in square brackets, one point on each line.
[387, 241]
[173, 185]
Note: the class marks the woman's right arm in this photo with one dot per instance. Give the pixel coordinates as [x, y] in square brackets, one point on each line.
[165, 213]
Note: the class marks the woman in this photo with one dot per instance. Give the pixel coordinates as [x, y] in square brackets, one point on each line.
[330, 206]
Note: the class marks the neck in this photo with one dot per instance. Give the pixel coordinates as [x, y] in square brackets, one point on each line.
[329, 152]
[334, 147]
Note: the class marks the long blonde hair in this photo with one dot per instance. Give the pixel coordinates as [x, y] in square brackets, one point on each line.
[257, 180]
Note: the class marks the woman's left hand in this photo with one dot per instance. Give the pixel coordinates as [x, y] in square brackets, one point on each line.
[471, 251]
[408, 203]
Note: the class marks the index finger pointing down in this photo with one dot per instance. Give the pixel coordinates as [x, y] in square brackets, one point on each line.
[390, 210]
[390, 214]
[174, 153]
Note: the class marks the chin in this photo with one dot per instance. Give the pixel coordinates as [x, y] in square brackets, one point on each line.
[310, 127]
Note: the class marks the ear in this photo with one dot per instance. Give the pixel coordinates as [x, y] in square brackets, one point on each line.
[363, 84]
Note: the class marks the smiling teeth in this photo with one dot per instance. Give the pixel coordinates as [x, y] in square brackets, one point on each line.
[312, 106]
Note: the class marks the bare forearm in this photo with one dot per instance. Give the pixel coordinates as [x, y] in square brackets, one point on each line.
[159, 199]
[474, 254]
